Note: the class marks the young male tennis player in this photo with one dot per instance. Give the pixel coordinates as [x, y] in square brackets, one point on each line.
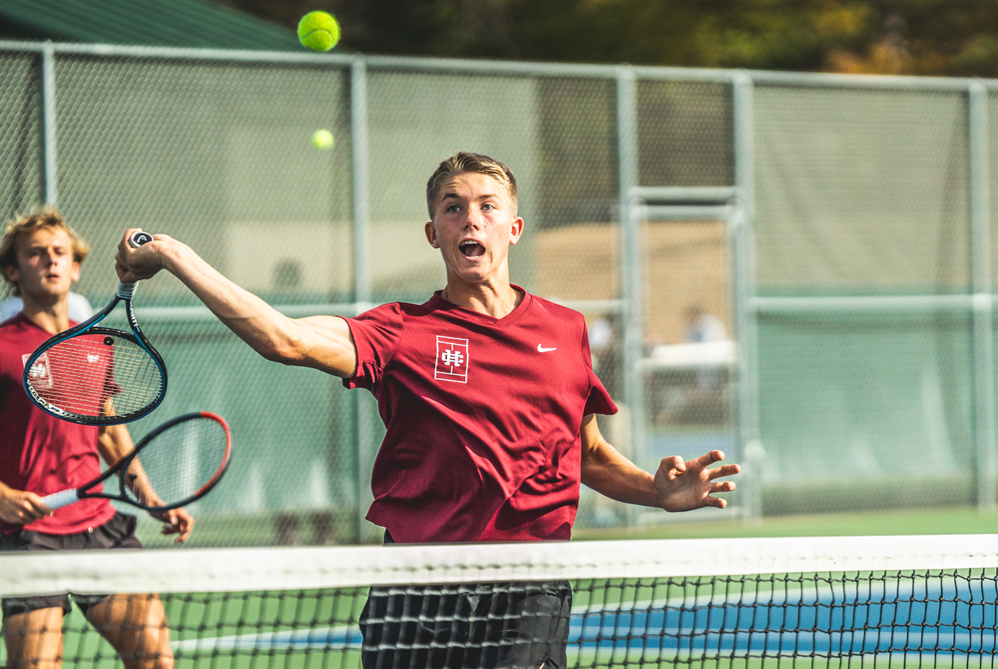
[489, 398]
[39, 454]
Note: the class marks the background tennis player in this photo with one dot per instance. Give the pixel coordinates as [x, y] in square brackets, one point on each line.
[40, 454]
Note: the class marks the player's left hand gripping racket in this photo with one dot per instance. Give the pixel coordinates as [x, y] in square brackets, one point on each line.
[181, 460]
[96, 375]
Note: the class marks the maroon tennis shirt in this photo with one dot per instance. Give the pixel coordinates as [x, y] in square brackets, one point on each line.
[38, 452]
[483, 418]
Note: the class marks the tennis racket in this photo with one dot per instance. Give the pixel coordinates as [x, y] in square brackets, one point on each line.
[181, 460]
[97, 375]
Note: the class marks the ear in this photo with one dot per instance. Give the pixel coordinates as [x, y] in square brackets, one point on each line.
[75, 272]
[515, 231]
[12, 273]
[431, 234]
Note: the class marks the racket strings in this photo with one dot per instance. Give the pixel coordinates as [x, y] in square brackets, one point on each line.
[97, 375]
[178, 463]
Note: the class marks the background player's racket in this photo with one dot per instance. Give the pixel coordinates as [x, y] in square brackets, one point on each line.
[97, 375]
[181, 460]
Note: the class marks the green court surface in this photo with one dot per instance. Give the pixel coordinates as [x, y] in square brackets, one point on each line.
[949, 520]
[259, 531]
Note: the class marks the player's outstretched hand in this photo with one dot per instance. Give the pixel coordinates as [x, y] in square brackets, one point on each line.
[683, 486]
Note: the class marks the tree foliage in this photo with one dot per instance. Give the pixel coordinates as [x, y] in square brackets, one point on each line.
[927, 37]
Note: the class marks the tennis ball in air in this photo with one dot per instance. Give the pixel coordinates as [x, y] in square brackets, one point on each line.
[318, 31]
[322, 139]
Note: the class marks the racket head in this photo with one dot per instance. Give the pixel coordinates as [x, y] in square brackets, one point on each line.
[182, 460]
[95, 376]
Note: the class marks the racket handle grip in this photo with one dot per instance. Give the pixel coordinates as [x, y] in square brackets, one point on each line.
[135, 240]
[60, 499]
[125, 290]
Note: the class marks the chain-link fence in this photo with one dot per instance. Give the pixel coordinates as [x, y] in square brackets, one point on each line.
[796, 269]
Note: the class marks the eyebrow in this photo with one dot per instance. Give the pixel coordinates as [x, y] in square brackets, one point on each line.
[35, 247]
[454, 196]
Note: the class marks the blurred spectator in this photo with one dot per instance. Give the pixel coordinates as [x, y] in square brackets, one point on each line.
[702, 328]
[79, 308]
[604, 344]
[605, 339]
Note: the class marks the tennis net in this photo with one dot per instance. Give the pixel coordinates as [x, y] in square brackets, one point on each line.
[802, 602]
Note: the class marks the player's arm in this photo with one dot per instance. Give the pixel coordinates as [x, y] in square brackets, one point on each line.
[676, 485]
[322, 342]
[113, 443]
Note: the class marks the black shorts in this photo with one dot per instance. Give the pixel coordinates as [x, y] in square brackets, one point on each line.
[486, 625]
[494, 626]
[119, 532]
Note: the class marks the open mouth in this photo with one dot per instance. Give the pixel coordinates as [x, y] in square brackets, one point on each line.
[472, 249]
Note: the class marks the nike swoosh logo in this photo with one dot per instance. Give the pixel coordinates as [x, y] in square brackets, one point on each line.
[541, 349]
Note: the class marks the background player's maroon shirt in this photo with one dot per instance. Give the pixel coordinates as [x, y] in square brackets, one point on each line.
[483, 418]
[39, 452]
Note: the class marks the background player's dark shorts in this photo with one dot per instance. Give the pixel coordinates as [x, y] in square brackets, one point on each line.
[119, 532]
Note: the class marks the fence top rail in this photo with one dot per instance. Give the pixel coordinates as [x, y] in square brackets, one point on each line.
[880, 81]
[524, 68]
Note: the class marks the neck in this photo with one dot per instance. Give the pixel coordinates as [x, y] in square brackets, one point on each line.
[53, 318]
[495, 301]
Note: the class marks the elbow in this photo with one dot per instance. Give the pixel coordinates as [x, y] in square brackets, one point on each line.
[279, 353]
[272, 353]
[285, 349]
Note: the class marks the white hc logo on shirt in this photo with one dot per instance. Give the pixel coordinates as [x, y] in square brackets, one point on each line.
[451, 359]
[40, 377]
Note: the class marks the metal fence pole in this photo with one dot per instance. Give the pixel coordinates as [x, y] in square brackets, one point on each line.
[365, 442]
[747, 387]
[49, 136]
[630, 262]
[983, 302]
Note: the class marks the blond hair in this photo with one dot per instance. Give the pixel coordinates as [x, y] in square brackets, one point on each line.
[46, 217]
[462, 163]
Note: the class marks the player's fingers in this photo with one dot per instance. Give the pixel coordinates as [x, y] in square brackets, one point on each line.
[176, 526]
[123, 245]
[128, 235]
[35, 508]
[181, 532]
[724, 470]
[184, 524]
[710, 458]
[28, 513]
[716, 502]
[126, 252]
[17, 515]
[170, 518]
[121, 268]
[187, 528]
[672, 463]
